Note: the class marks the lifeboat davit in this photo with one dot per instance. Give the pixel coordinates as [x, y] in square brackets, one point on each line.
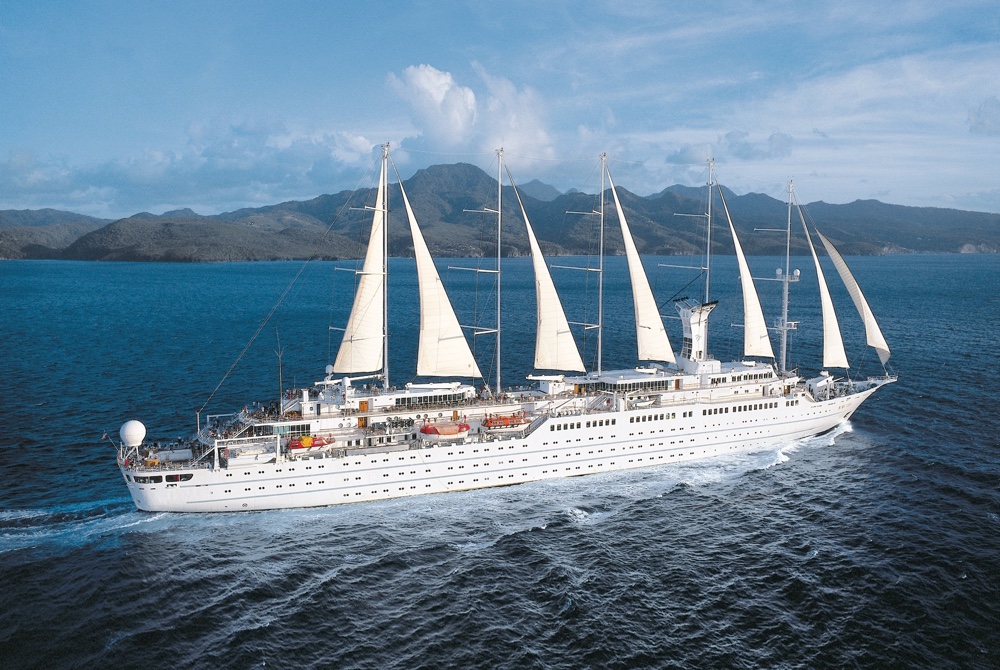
[439, 432]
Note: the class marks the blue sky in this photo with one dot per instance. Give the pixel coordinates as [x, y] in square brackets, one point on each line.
[112, 108]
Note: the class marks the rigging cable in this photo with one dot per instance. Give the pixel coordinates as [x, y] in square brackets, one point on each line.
[277, 304]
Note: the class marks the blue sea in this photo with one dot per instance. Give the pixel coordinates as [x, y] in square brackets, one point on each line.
[877, 545]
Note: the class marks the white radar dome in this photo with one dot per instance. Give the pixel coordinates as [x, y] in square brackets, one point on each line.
[329, 369]
[132, 433]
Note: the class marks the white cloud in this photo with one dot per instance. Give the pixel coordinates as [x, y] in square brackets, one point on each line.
[451, 115]
[222, 167]
[446, 112]
[778, 145]
[690, 154]
[513, 118]
[350, 148]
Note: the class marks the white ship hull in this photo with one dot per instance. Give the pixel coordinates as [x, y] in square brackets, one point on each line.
[604, 442]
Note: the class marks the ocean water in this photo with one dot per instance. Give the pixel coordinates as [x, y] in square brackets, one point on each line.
[877, 545]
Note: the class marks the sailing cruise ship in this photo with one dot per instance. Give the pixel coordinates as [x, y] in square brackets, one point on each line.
[351, 437]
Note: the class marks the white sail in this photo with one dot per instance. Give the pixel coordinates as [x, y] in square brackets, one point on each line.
[755, 339]
[362, 347]
[872, 332]
[443, 350]
[555, 348]
[650, 334]
[834, 355]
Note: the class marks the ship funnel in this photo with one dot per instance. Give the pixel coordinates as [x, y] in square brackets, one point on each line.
[694, 318]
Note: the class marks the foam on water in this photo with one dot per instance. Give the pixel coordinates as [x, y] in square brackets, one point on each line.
[874, 545]
[507, 510]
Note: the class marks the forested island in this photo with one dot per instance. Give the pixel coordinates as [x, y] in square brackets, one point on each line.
[329, 226]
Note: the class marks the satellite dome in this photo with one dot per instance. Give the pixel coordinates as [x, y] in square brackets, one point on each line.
[329, 369]
[132, 433]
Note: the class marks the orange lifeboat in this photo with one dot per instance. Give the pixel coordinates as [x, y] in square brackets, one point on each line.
[500, 421]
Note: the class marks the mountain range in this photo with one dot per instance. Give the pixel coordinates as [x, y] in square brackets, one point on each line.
[446, 199]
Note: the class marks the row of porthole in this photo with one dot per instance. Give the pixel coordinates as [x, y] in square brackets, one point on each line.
[652, 417]
[525, 474]
[739, 408]
[358, 478]
[577, 424]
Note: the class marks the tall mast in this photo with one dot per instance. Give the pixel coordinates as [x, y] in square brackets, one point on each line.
[708, 237]
[783, 325]
[600, 273]
[385, 269]
[499, 221]
[708, 244]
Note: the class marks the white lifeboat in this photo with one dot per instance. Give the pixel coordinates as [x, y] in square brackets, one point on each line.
[442, 432]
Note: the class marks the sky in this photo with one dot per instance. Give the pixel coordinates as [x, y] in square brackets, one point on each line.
[114, 108]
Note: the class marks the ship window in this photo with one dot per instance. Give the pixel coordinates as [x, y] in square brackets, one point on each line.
[180, 478]
[295, 430]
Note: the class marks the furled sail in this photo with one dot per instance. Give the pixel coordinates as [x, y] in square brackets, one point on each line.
[443, 350]
[650, 334]
[555, 348]
[755, 339]
[362, 347]
[872, 332]
[834, 355]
